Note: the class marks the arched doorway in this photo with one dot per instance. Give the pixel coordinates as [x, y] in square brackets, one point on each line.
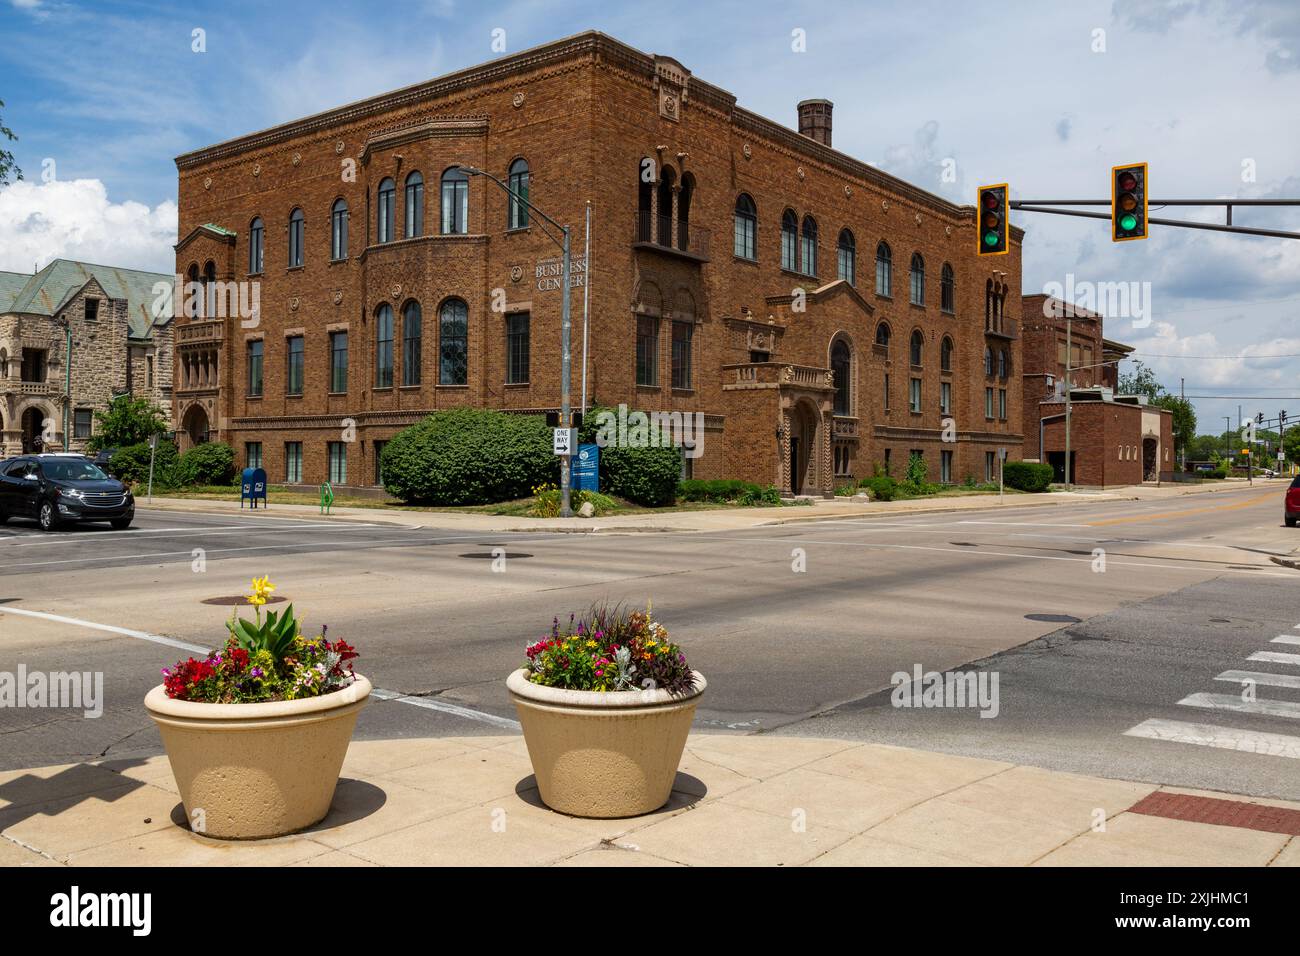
[195, 426]
[33, 431]
[1150, 459]
[803, 448]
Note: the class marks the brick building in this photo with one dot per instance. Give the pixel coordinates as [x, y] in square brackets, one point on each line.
[823, 316]
[1114, 439]
[121, 335]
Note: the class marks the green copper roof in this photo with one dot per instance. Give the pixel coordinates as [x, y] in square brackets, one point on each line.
[46, 292]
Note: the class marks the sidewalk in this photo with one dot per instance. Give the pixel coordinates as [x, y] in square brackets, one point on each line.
[722, 519]
[739, 800]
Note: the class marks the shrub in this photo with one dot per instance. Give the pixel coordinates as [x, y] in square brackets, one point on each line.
[916, 471]
[469, 456]
[760, 497]
[647, 476]
[547, 503]
[717, 490]
[882, 487]
[1027, 475]
[212, 463]
[130, 465]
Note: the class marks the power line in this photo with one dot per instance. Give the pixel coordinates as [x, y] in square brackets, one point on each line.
[1219, 357]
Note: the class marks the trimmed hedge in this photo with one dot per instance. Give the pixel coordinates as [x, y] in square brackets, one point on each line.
[1027, 475]
[717, 490]
[212, 463]
[882, 487]
[647, 476]
[470, 456]
[130, 465]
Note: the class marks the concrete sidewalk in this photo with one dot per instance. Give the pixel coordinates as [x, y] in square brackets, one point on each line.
[738, 800]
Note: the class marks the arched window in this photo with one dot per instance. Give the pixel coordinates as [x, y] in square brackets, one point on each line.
[453, 343]
[988, 360]
[684, 197]
[384, 210]
[339, 230]
[841, 371]
[945, 354]
[918, 279]
[455, 202]
[918, 346]
[517, 213]
[255, 233]
[193, 302]
[1003, 363]
[947, 290]
[667, 180]
[414, 219]
[412, 343]
[809, 249]
[746, 246]
[847, 258]
[882, 335]
[789, 241]
[209, 289]
[384, 346]
[884, 270]
[295, 238]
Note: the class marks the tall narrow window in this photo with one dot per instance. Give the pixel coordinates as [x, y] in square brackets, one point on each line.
[918, 280]
[453, 343]
[945, 397]
[414, 218]
[1002, 363]
[667, 185]
[945, 467]
[945, 355]
[915, 397]
[255, 367]
[293, 365]
[988, 403]
[295, 238]
[647, 350]
[517, 348]
[808, 251]
[384, 208]
[746, 228]
[988, 360]
[918, 346]
[384, 347]
[884, 269]
[1002, 404]
[412, 343]
[338, 362]
[682, 335]
[789, 241]
[293, 461]
[947, 290]
[847, 254]
[684, 197]
[339, 230]
[841, 369]
[455, 202]
[255, 234]
[338, 463]
[517, 214]
[882, 336]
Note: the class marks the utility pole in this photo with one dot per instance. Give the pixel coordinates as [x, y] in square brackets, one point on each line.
[1182, 397]
[1227, 434]
[586, 300]
[1069, 354]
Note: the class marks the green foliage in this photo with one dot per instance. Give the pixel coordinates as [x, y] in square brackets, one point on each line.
[130, 464]
[647, 476]
[1027, 475]
[547, 503]
[1291, 443]
[8, 166]
[916, 472]
[469, 456]
[762, 497]
[846, 491]
[212, 463]
[1141, 381]
[127, 421]
[882, 487]
[716, 490]
[275, 634]
[1184, 420]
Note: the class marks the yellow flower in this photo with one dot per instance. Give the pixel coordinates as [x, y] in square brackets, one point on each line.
[592, 644]
[261, 588]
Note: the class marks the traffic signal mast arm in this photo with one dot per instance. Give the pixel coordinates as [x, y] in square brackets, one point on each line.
[1045, 205]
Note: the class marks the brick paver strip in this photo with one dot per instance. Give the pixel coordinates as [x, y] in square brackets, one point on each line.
[1225, 813]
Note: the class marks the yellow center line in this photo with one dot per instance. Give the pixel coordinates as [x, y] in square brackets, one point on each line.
[1249, 503]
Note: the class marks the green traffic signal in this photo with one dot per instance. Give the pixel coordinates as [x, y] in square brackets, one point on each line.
[992, 221]
[1128, 202]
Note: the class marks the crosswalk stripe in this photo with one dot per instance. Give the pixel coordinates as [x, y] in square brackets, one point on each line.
[1286, 639]
[1273, 657]
[1225, 738]
[1258, 677]
[1271, 708]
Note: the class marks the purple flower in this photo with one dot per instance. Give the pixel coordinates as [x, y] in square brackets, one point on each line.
[256, 672]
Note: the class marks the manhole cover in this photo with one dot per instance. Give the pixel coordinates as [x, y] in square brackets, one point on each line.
[234, 599]
[964, 544]
[488, 555]
[1053, 618]
[1219, 620]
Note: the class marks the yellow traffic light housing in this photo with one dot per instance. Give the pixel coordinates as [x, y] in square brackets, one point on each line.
[991, 221]
[1128, 202]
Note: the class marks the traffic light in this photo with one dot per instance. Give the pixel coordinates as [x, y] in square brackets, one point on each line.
[1128, 202]
[1259, 418]
[992, 214]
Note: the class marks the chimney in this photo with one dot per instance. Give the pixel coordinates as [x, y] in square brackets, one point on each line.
[815, 120]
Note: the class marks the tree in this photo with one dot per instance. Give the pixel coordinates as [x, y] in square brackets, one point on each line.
[1141, 381]
[1184, 423]
[7, 164]
[127, 421]
[1291, 444]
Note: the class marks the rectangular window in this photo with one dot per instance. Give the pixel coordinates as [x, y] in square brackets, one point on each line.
[988, 403]
[293, 461]
[148, 365]
[384, 348]
[915, 402]
[338, 361]
[255, 367]
[517, 348]
[789, 250]
[379, 462]
[338, 463]
[682, 335]
[92, 309]
[886, 391]
[1002, 404]
[82, 423]
[945, 467]
[455, 206]
[945, 397]
[887, 459]
[294, 369]
[1061, 353]
[647, 350]
[252, 454]
[412, 344]
[988, 466]
[758, 358]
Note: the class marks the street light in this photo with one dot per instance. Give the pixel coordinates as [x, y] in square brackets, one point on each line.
[565, 510]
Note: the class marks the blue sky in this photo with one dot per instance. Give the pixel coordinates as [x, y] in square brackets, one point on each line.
[1205, 90]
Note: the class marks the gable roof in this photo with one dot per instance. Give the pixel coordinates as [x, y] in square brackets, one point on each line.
[48, 291]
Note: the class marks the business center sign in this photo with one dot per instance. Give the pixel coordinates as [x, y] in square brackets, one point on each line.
[550, 273]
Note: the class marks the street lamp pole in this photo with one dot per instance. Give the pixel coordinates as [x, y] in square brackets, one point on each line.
[566, 510]
[1069, 354]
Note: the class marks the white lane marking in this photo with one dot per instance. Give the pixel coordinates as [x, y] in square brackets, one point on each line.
[1270, 708]
[1029, 524]
[1274, 657]
[1286, 639]
[216, 531]
[1259, 677]
[1225, 738]
[118, 558]
[378, 692]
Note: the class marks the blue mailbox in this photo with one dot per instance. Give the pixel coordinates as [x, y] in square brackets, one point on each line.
[252, 485]
[586, 468]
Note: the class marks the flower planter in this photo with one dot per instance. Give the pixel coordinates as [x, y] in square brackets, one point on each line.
[611, 754]
[247, 771]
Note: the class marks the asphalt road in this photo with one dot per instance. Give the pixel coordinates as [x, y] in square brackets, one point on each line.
[798, 627]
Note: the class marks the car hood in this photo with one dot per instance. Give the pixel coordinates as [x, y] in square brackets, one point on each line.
[91, 484]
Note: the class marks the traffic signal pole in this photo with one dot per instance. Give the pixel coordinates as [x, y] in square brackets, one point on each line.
[1049, 206]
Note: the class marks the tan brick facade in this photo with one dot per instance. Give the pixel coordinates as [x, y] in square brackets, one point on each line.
[586, 114]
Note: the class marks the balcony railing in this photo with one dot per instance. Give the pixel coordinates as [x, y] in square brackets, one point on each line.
[1008, 330]
[778, 373]
[678, 237]
[199, 332]
[33, 388]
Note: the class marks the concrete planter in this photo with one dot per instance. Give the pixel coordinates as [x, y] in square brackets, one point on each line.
[247, 771]
[603, 755]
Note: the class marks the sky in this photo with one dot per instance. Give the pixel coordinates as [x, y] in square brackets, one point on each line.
[1046, 95]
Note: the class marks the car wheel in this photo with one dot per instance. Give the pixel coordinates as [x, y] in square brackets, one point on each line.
[1290, 522]
[3, 517]
[120, 523]
[46, 518]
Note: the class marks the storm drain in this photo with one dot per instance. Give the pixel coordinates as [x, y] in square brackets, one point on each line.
[489, 555]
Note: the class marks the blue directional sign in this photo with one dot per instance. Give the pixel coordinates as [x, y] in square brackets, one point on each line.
[586, 468]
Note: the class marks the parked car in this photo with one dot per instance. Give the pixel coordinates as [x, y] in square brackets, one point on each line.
[101, 459]
[1291, 509]
[55, 489]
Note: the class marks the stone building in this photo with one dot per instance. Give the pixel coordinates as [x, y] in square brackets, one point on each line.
[824, 317]
[118, 347]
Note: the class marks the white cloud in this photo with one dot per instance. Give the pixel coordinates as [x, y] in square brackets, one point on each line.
[75, 219]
